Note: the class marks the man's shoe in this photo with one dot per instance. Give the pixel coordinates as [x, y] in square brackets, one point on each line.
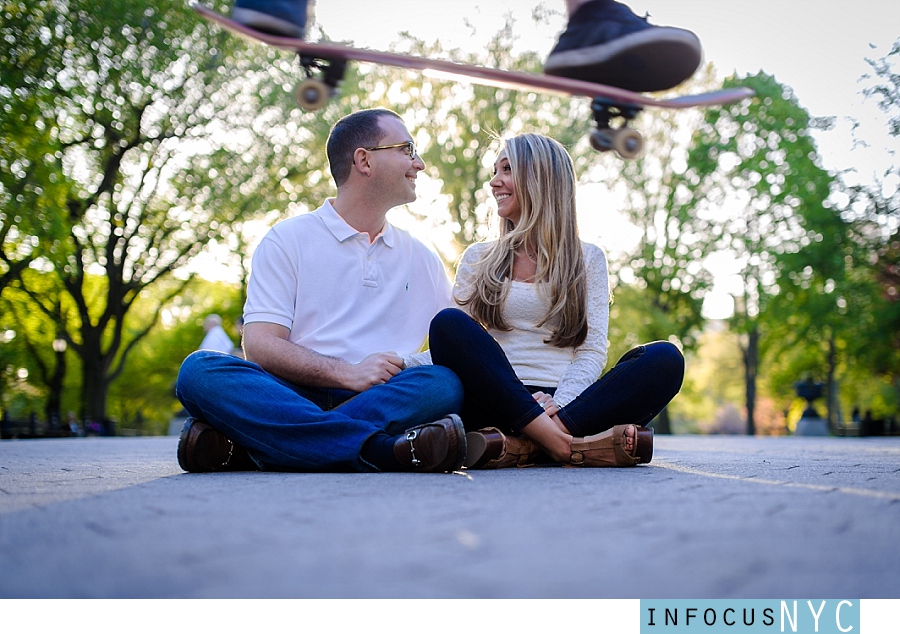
[434, 447]
[202, 448]
[606, 43]
[278, 17]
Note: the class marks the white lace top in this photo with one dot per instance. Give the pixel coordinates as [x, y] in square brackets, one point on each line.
[569, 370]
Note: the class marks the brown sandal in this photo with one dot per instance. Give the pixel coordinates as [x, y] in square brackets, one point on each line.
[607, 449]
[489, 448]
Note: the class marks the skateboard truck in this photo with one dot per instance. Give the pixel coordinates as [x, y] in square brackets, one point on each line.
[314, 92]
[626, 141]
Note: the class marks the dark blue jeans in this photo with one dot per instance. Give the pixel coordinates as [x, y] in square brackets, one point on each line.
[287, 427]
[633, 392]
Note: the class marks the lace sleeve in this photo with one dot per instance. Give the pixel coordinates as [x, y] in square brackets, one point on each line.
[465, 272]
[590, 356]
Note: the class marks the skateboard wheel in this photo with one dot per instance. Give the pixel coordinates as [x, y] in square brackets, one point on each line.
[627, 143]
[312, 94]
[602, 140]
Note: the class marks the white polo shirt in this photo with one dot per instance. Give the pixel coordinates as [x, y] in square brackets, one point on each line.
[341, 296]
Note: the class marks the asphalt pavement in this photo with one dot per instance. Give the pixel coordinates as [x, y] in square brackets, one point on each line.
[710, 517]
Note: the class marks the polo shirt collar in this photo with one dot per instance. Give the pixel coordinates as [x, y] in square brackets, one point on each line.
[343, 231]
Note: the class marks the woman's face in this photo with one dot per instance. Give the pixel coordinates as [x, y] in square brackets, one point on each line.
[504, 190]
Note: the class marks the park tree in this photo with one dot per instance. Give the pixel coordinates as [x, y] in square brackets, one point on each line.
[666, 266]
[839, 285]
[756, 173]
[140, 134]
[874, 209]
[29, 180]
[39, 337]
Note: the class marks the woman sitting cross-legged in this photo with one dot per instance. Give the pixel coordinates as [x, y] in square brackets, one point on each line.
[529, 339]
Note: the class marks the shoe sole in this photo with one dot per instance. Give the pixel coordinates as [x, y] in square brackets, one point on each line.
[476, 444]
[463, 442]
[647, 61]
[643, 449]
[182, 447]
[266, 23]
[203, 437]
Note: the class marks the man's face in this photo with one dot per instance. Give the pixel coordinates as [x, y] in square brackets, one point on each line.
[394, 171]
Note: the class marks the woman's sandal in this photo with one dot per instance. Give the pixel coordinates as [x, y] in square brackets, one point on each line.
[607, 449]
[489, 448]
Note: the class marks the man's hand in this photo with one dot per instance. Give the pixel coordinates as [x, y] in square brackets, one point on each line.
[375, 369]
[267, 344]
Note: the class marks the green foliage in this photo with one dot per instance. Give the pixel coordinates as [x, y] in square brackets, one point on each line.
[145, 389]
[876, 215]
[157, 134]
[755, 173]
[133, 138]
[756, 169]
[712, 382]
[660, 200]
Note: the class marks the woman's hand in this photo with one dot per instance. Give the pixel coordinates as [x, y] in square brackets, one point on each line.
[546, 401]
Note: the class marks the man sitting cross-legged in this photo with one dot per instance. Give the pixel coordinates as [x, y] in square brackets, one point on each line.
[335, 299]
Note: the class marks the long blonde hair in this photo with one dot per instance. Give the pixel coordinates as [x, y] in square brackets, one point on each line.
[544, 179]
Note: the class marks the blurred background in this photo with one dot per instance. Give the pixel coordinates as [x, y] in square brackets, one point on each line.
[144, 153]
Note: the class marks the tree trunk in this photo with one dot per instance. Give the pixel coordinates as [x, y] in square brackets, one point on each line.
[831, 402]
[94, 388]
[751, 370]
[53, 409]
[94, 381]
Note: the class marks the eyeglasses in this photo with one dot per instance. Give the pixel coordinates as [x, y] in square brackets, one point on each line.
[410, 148]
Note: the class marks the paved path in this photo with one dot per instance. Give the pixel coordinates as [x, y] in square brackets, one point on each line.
[710, 517]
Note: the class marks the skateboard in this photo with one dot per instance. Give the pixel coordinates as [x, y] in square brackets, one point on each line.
[324, 64]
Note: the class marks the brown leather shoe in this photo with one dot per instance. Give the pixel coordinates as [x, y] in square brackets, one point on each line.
[607, 449]
[434, 447]
[203, 448]
[489, 448]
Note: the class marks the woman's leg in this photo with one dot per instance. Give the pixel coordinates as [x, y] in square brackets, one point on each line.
[493, 394]
[641, 384]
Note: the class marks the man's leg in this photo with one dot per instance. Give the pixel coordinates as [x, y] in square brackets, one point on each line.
[281, 429]
[404, 408]
[413, 397]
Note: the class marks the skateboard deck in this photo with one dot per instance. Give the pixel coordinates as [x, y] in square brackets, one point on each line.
[608, 102]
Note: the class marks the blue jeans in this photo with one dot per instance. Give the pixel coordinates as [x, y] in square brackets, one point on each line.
[633, 392]
[287, 427]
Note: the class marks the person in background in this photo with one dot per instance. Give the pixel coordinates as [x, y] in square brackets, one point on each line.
[215, 338]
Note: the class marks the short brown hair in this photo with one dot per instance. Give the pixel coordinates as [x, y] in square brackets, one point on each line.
[360, 129]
